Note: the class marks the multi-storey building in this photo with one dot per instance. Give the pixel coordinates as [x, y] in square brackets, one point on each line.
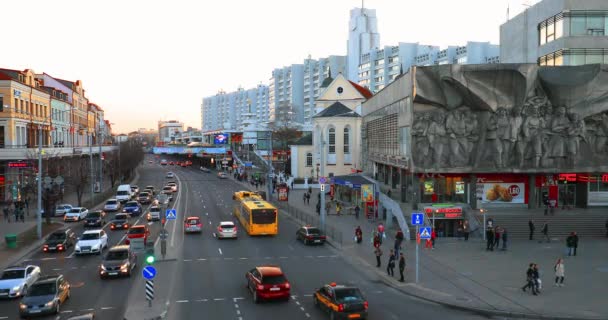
[60, 117]
[169, 130]
[557, 32]
[286, 95]
[363, 37]
[380, 67]
[315, 72]
[224, 110]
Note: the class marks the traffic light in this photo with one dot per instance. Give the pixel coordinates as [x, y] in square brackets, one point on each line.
[150, 258]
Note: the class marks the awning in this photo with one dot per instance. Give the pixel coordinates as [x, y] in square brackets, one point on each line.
[352, 181]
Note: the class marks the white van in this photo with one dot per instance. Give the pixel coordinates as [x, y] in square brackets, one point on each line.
[124, 193]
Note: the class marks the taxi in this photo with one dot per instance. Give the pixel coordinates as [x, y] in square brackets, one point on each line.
[341, 302]
[193, 224]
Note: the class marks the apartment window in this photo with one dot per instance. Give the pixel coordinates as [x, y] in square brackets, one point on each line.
[584, 23]
[309, 159]
[552, 59]
[551, 29]
[346, 140]
[22, 106]
[332, 140]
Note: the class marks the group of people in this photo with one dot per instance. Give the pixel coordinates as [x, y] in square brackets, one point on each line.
[533, 274]
[16, 209]
[396, 255]
[493, 237]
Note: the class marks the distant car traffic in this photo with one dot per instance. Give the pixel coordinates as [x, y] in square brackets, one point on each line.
[135, 189]
[163, 162]
[59, 240]
[119, 261]
[111, 205]
[226, 229]
[341, 302]
[121, 221]
[95, 219]
[137, 232]
[153, 214]
[222, 175]
[76, 214]
[91, 241]
[204, 169]
[45, 296]
[267, 282]
[173, 185]
[171, 163]
[144, 198]
[151, 190]
[193, 224]
[15, 281]
[310, 235]
[170, 175]
[62, 209]
[133, 208]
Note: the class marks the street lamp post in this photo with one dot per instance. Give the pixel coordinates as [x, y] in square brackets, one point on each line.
[39, 176]
[271, 168]
[91, 165]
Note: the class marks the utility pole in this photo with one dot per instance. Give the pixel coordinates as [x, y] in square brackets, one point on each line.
[39, 176]
[271, 169]
[91, 165]
[100, 160]
[322, 189]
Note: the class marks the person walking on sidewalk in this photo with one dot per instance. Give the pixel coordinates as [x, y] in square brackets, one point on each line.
[359, 234]
[575, 241]
[338, 208]
[465, 229]
[378, 253]
[497, 235]
[304, 197]
[318, 208]
[433, 237]
[545, 232]
[570, 244]
[7, 213]
[390, 268]
[504, 239]
[536, 276]
[308, 198]
[357, 210]
[376, 239]
[381, 232]
[530, 279]
[398, 241]
[560, 270]
[531, 227]
[401, 266]
[489, 239]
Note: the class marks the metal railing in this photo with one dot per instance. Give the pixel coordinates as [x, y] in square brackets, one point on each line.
[307, 218]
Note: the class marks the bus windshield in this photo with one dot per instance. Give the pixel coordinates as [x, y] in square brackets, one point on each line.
[263, 216]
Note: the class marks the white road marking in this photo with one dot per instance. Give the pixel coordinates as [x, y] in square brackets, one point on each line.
[187, 260]
[150, 223]
[243, 258]
[214, 235]
[321, 256]
[210, 222]
[290, 247]
[3, 317]
[239, 298]
[283, 257]
[308, 295]
[219, 299]
[238, 312]
[307, 315]
[67, 311]
[227, 258]
[26, 260]
[181, 301]
[45, 259]
[302, 308]
[201, 259]
[220, 250]
[90, 309]
[298, 302]
[56, 269]
[377, 291]
[107, 308]
[201, 300]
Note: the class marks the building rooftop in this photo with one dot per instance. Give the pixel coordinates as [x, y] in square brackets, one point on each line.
[337, 110]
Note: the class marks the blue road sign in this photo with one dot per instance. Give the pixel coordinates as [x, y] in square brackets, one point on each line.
[149, 272]
[417, 219]
[171, 214]
[322, 180]
[425, 233]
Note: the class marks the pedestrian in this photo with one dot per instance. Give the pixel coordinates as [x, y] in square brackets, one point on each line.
[27, 205]
[504, 239]
[381, 235]
[570, 244]
[388, 193]
[530, 279]
[7, 213]
[536, 277]
[327, 207]
[531, 227]
[308, 198]
[309, 190]
[460, 230]
[497, 235]
[545, 232]
[433, 237]
[378, 253]
[465, 229]
[22, 215]
[398, 241]
[338, 208]
[390, 268]
[560, 270]
[401, 266]
[16, 213]
[358, 234]
[357, 210]
[575, 241]
[304, 197]
[490, 239]
[376, 239]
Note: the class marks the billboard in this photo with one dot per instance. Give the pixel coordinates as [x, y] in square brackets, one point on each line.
[220, 138]
[509, 192]
[367, 192]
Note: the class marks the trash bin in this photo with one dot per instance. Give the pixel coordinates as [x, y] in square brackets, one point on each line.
[11, 240]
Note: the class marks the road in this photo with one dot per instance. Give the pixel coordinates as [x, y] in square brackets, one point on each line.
[209, 273]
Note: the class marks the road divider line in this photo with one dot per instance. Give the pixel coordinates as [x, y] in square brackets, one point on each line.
[220, 250]
[181, 301]
[219, 299]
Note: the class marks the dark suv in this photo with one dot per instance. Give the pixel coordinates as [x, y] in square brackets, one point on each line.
[59, 240]
[45, 296]
[119, 261]
[95, 219]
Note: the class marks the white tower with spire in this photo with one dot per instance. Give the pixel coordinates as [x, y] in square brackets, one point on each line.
[363, 36]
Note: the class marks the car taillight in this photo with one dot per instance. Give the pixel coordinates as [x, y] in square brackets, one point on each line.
[219, 229]
[287, 286]
[322, 237]
[60, 247]
[112, 226]
[260, 287]
[365, 304]
[45, 248]
[127, 241]
[309, 237]
[126, 226]
[340, 307]
[199, 225]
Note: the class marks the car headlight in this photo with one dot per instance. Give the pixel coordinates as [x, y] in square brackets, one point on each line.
[124, 266]
[102, 267]
[22, 306]
[49, 304]
[77, 247]
[16, 288]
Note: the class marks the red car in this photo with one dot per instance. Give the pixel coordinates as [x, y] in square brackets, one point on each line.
[193, 224]
[137, 232]
[267, 282]
[171, 163]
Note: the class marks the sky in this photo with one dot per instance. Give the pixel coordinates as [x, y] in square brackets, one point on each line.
[148, 60]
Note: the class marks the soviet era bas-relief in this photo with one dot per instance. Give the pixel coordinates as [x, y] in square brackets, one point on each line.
[520, 118]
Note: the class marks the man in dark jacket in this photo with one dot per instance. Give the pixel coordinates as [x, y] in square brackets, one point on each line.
[575, 242]
[570, 244]
[531, 226]
[530, 283]
[545, 232]
[401, 266]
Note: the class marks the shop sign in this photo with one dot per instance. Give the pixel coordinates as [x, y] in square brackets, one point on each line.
[447, 213]
[501, 192]
[367, 192]
[459, 188]
[429, 187]
[283, 194]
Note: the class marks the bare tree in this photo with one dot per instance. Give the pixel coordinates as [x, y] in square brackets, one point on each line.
[78, 177]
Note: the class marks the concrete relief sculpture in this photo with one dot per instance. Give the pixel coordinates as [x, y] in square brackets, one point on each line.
[521, 132]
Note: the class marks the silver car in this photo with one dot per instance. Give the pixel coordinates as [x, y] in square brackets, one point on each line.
[62, 209]
[15, 281]
[111, 205]
[226, 229]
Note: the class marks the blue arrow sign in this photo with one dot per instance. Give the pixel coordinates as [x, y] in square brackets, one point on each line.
[149, 272]
[425, 233]
[417, 219]
[171, 214]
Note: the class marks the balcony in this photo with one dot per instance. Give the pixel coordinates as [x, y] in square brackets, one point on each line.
[19, 153]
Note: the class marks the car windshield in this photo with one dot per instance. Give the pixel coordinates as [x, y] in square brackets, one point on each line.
[314, 231]
[111, 202]
[155, 209]
[90, 236]
[193, 221]
[94, 214]
[228, 225]
[348, 295]
[117, 255]
[74, 211]
[167, 188]
[42, 289]
[136, 230]
[280, 279]
[12, 274]
[131, 204]
[122, 193]
[57, 236]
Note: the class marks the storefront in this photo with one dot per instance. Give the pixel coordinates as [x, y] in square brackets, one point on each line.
[444, 188]
[502, 190]
[445, 217]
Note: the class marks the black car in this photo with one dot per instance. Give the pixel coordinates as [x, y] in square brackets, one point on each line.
[119, 261]
[95, 219]
[341, 302]
[310, 235]
[144, 197]
[121, 221]
[45, 296]
[59, 240]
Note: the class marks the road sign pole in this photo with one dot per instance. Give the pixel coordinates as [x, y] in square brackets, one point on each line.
[417, 243]
[150, 292]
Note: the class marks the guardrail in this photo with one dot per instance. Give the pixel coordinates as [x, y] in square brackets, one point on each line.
[306, 218]
[10, 153]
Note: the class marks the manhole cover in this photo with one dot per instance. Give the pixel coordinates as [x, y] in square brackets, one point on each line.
[602, 269]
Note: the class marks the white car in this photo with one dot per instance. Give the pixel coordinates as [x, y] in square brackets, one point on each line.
[111, 205]
[226, 229]
[76, 214]
[170, 175]
[14, 281]
[91, 241]
[222, 175]
[62, 209]
[173, 186]
[153, 214]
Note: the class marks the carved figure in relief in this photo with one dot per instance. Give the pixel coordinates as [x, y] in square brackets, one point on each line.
[421, 140]
[546, 115]
[532, 134]
[456, 129]
[437, 138]
[503, 137]
[601, 134]
[575, 133]
[558, 140]
[471, 132]
[517, 144]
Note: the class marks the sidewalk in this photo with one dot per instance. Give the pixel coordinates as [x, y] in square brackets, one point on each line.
[464, 275]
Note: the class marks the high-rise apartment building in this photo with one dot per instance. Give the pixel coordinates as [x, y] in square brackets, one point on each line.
[363, 37]
[223, 110]
[286, 95]
[557, 32]
[315, 72]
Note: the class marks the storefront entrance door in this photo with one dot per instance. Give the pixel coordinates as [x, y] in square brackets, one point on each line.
[567, 195]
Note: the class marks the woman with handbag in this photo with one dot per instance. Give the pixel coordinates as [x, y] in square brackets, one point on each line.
[560, 270]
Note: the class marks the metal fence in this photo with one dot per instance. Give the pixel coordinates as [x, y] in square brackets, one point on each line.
[307, 218]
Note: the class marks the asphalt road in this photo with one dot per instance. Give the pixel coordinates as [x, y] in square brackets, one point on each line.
[208, 274]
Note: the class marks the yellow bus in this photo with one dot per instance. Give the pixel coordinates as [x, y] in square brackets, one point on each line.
[242, 195]
[257, 216]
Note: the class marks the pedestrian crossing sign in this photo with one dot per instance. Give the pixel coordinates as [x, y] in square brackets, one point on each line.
[171, 214]
[425, 233]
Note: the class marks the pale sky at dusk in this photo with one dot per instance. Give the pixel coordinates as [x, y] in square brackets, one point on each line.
[146, 60]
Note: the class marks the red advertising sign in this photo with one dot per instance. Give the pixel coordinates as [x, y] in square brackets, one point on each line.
[19, 165]
[283, 194]
[2, 180]
[445, 212]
